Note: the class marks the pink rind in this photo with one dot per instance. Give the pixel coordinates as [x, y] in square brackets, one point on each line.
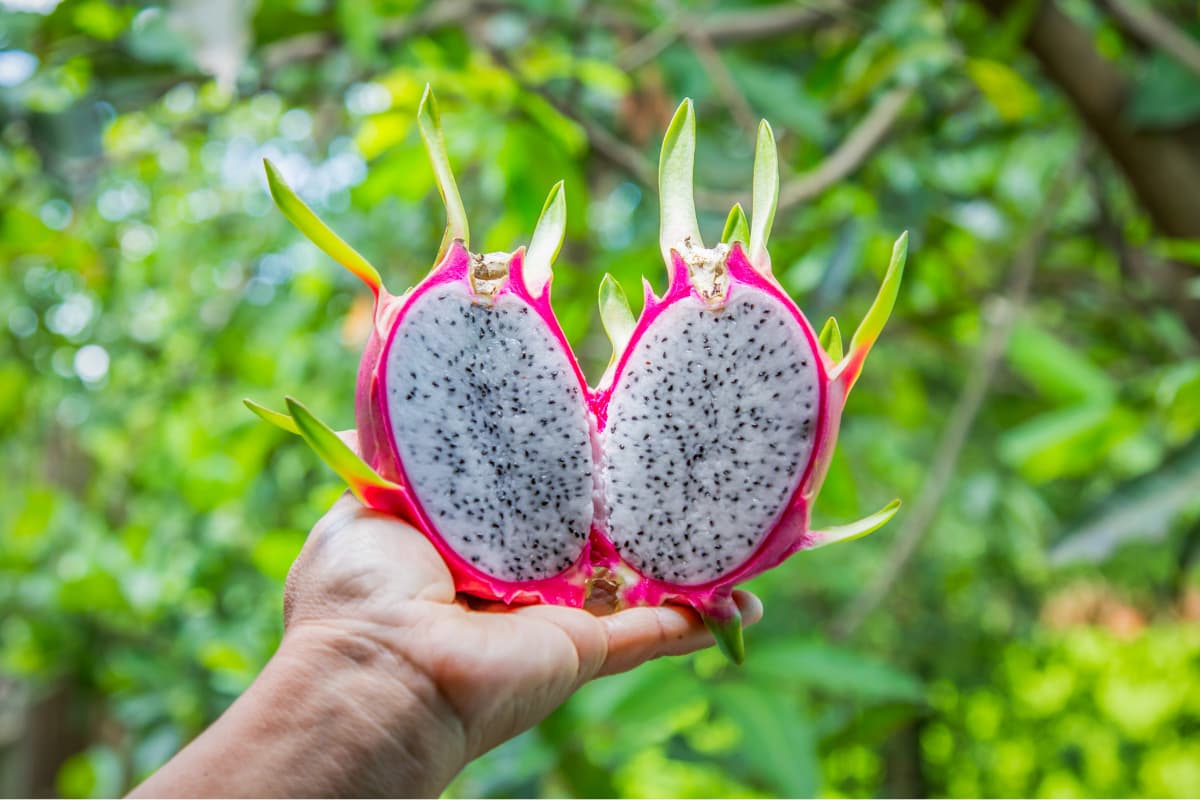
[371, 439]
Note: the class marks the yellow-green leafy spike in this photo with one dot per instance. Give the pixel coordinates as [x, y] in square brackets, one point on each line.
[281, 421]
[317, 232]
[856, 529]
[676, 193]
[765, 196]
[831, 339]
[615, 314]
[848, 370]
[546, 241]
[737, 228]
[728, 633]
[430, 124]
[877, 315]
[334, 452]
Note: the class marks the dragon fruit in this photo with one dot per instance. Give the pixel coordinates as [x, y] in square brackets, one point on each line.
[691, 467]
[718, 413]
[472, 413]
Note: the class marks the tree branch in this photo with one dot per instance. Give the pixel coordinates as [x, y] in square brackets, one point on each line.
[752, 24]
[703, 32]
[1160, 165]
[769, 22]
[748, 25]
[851, 153]
[647, 48]
[723, 81]
[440, 14]
[796, 190]
[1003, 312]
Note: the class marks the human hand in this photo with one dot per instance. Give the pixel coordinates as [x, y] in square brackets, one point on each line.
[387, 683]
[483, 673]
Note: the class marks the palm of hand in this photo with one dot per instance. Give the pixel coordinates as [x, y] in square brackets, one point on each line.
[499, 671]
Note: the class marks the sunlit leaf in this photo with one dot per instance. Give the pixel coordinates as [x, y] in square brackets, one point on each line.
[678, 223]
[1068, 441]
[1009, 93]
[1057, 369]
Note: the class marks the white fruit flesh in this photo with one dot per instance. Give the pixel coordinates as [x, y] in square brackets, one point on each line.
[708, 434]
[492, 431]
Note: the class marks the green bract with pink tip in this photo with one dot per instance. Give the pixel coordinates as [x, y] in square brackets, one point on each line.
[691, 467]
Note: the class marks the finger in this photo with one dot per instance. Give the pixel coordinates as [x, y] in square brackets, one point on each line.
[750, 606]
[410, 547]
[586, 632]
[638, 635]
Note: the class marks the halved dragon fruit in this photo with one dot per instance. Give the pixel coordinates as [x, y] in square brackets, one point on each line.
[472, 413]
[692, 467]
[718, 414]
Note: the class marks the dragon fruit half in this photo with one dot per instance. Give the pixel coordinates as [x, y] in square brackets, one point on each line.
[691, 467]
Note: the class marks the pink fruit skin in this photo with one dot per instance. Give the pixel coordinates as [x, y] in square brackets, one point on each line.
[790, 533]
[379, 449]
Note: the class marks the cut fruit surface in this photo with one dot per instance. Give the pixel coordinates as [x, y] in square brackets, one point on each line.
[491, 428]
[708, 434]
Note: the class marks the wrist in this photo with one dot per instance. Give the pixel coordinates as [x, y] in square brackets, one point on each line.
[376, 724]
[334, 712]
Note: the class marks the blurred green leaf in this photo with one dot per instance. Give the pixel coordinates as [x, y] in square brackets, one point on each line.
[1144, 507]
[1004, 88]
[1167, 94]
[778, 743]
[1067, 441]
[360, 27]
[101, 20]
[275, 551]
[96, 772]
[1178, 250]
[1056, 369]
[818, 665]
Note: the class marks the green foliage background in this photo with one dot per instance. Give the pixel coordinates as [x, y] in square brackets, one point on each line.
[1043, 639]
